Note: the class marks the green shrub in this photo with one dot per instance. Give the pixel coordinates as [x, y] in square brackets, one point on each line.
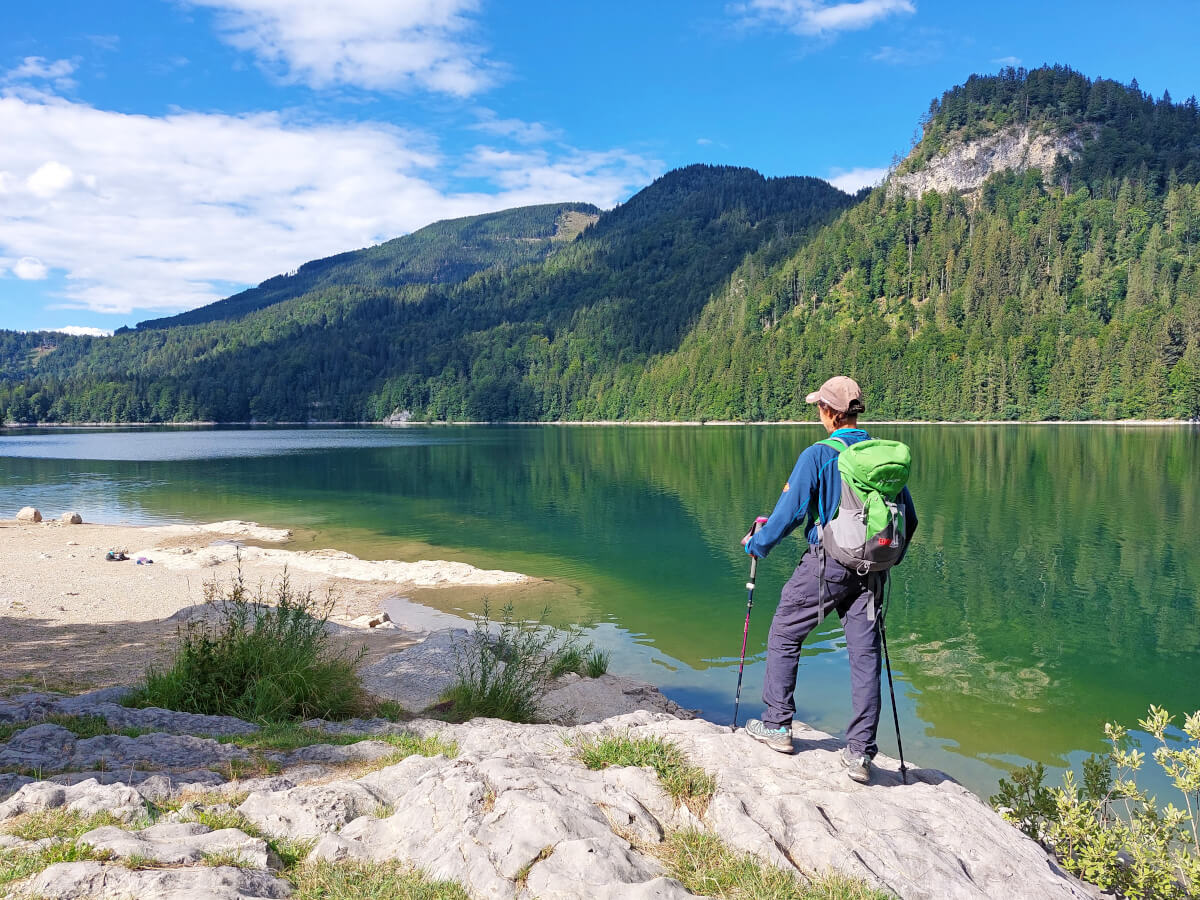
[1108, 831]
[503, 670]
[263, 659]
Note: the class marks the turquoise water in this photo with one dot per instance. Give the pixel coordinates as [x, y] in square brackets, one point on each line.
[1053, 585]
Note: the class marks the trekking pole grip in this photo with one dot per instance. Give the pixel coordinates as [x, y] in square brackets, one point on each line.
[758, 523]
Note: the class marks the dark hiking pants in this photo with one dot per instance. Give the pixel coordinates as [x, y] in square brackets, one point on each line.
[851, 596]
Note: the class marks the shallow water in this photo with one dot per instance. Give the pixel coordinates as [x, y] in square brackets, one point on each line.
[1053, 584]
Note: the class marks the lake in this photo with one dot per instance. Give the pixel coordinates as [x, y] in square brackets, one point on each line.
[1054, 583]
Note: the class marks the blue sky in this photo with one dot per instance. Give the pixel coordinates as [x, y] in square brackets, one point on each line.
[160, 154]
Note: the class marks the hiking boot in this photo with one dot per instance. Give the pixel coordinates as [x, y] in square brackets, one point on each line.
[776, 738]
[858, 765]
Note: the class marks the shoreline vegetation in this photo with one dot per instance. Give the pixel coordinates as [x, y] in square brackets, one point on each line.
[597, 422]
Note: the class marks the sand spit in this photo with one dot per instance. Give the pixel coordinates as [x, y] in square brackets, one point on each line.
[70, 617]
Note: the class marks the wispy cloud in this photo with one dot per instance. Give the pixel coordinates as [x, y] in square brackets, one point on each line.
[851, 180]
[819, 17]
[1007, 61]
[164, 213]
[373, 44]
[917, 54]
[515, 129]
[39, 69]
[85, 330]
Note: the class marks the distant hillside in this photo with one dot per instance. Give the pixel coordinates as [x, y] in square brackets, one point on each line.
[520, 341]
[441, 253]
[1037, 256]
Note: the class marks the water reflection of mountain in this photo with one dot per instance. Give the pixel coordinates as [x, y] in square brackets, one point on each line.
[1053, 584]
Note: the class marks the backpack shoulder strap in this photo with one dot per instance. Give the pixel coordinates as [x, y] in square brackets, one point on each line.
[828, 442]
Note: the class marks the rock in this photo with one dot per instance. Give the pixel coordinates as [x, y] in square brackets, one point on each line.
[71, 518]
[10, 784]
[966, 166]
[52, 748]
[182, 843]
[338, 754]
[29, 514]
[310, 810]
[381, 620]
[99, 881]
[514, 791]
[593, 869]
[575, 700]
[86, 798]
[416, 676]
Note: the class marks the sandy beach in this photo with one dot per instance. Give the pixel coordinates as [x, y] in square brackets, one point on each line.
[71, 619]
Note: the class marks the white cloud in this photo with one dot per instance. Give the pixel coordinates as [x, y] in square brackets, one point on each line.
[85, 330]
[850, 180]
[1008, 61]
[373, 44]
[818, 17]
[515, 129]
[49, 178]
[165, 213]
[36, 68]
[29, 268]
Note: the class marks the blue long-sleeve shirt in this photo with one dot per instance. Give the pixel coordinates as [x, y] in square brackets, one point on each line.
[812, 494]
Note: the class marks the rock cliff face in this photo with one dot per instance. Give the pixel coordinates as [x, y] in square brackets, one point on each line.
[964, 167]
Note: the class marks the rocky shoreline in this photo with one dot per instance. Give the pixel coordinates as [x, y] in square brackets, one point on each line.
[505, 810]
[165, 805]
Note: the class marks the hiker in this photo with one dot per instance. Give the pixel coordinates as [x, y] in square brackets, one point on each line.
[821, 584]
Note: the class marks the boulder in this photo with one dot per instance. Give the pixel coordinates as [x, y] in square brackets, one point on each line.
[29, 514]
[417, 676]
[72, 518]
[573, 700]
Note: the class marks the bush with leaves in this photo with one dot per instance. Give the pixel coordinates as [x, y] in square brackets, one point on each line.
[1109, 831]
[263, 657]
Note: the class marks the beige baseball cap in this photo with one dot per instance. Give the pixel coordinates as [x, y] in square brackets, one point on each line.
[839, 393]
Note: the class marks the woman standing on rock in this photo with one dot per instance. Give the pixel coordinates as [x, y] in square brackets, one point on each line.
[822, 585]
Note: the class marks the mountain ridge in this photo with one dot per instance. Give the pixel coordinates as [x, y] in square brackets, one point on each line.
[1061, 291]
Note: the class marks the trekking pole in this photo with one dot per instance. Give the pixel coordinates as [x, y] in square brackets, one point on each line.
[891, 687]
[746, 630]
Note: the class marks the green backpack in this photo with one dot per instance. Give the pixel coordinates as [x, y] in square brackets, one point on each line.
[868, 532]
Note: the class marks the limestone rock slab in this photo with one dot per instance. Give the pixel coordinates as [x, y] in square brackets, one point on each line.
[99, 881]
[86, 798]
[181, 843]
[309, 811]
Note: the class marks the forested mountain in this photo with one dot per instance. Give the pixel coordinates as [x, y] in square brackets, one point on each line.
[505, 343]
[441, 253]
[1067, 291]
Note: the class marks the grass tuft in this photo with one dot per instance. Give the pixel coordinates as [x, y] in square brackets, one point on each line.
[704, 864]
[18, 864]
[369, 881]
[683, 782]
[264, 659]
[505, 667]
[596, 663]
[59, 823]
